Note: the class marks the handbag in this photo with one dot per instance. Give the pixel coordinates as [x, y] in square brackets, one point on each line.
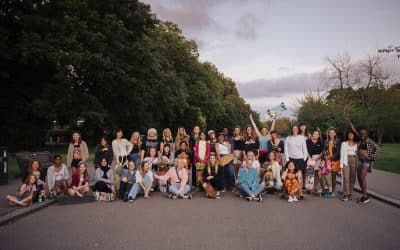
[226, 159]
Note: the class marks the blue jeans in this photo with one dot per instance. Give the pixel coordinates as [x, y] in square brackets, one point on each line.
[137, 189]
[229, 176]
[245, 189]
[174, 189]
[135, 157]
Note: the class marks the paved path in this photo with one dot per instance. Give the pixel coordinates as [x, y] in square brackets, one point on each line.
[384, 183]
[201, 223]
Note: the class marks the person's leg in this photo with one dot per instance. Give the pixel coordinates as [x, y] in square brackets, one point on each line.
[194, 172]
[123, 185]
[147, 182]
[186, 189]
[260, 188]
[352, 177]
[230, 168]
[363, 175]
[346, 180]
[64, 187]
[334, 175]
[14, 201]
[134, 191]
[245, 189]
[71, 191]
[174, 188]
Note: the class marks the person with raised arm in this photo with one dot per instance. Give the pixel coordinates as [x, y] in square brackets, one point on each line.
[263, 137]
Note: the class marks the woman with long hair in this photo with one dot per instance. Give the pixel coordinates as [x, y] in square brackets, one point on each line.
[103, 150]
[167, 139]
[77, 151]
[201, 154]
[315, 148]
[181, 136]
[80, 181]
[136, 145]
[35, 168]
[332, 145]
[213, 177]
[348, 164]
[104, 187]
[144, 181]
[224, 149]
[151, 141]
[25, 193]
[237, 147]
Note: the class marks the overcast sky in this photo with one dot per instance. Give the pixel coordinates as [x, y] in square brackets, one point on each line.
[276, 50]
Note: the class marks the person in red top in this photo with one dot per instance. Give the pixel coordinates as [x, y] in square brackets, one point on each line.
[80, 181]
[178, 178]
[201, 154]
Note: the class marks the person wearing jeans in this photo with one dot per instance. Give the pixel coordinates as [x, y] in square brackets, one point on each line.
[223, 148]
[144, 181]
[248, 182]
[178, 178]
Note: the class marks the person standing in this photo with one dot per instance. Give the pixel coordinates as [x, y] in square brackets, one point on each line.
[296, 152]
[151, 141]
[201, 152]
[103, 150]
[121, 148]
[332, 145]
[167, 139]
[348, 165]
[263, 137]
[224, 149]
[136, 145]
[277, 145]
[77, 151]
[314, 148]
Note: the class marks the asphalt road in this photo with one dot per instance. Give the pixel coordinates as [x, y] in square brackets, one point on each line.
[201, 223]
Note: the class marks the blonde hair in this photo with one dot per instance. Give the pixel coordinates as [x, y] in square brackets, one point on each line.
[150, 130]
[170, 133]
[184, 132]
[139, 140]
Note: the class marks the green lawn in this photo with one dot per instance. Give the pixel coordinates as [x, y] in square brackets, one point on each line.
[389, 159]
[59, 149]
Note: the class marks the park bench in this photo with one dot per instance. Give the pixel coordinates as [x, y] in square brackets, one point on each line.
[24, 159]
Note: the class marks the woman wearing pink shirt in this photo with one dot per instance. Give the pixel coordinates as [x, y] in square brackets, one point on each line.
[178, 178]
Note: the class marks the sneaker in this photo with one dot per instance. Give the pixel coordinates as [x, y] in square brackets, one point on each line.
[295, 199]
[259, 198]
[345, 198]
[130, 200]
[97, 195]
[363, 200]
[172, 197]
[218, 197]
[330, 195]
[189, 196]
[290, 200]
[360, 199]
[249, 198]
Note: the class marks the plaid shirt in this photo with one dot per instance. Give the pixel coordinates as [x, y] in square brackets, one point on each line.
[372, 148]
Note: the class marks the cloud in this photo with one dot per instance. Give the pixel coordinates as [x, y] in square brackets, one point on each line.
[281, 87]
[191, 15]
[246, 26]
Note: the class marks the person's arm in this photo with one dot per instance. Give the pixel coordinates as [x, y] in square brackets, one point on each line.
[22, 189]
[66, 172]
[284, 174]
[352, 125]
[286, 148]
[164, 177]
[184, 177]
[305, 151]
[253, 124]
[217, 150]
[70, 154]
[342, 152]
[116, 152]
[272, 127]
[85, 151]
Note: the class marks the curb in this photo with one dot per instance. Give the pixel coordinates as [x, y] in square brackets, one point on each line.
[18, 213]
[375, 195]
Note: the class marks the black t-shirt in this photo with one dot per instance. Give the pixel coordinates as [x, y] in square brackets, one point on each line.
[135, 149]
[251, 145]
[314, 148]
[363, 146]
[238, 144]
[150, 143]
[212, 146]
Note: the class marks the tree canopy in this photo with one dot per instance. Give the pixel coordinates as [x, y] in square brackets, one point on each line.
[110, 63]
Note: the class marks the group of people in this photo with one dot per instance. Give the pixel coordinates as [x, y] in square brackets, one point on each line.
[246, 162]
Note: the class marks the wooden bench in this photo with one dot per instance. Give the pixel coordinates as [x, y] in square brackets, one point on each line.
[25, 158]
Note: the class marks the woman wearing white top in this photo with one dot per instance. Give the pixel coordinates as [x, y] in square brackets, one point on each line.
[296, 151]
[121, 148]
[224, 148]
[348, 163]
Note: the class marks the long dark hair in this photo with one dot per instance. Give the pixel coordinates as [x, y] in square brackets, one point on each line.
[85, 174]
[80, 137]
[296, 168]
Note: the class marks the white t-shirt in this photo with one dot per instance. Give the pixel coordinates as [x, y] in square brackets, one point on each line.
[351, 150]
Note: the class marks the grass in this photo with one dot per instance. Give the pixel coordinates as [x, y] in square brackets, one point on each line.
[389, 159]
[13, 170]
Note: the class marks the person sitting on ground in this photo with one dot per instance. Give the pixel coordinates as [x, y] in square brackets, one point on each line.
[104, 186]
[36, 169]
[80, 181]
[251, 155]
[57, 177]
[128, 178]
[292, 179]
[25, 192]
[213, 181]
[273, 173]
[178, 178]
[326, 173]
[248, 182]
[144, 181]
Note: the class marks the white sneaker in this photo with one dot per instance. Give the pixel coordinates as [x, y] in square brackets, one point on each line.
[97, 195]
[295, 198]
[290, 200]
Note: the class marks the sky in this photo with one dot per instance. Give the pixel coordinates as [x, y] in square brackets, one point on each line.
[275, 51]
